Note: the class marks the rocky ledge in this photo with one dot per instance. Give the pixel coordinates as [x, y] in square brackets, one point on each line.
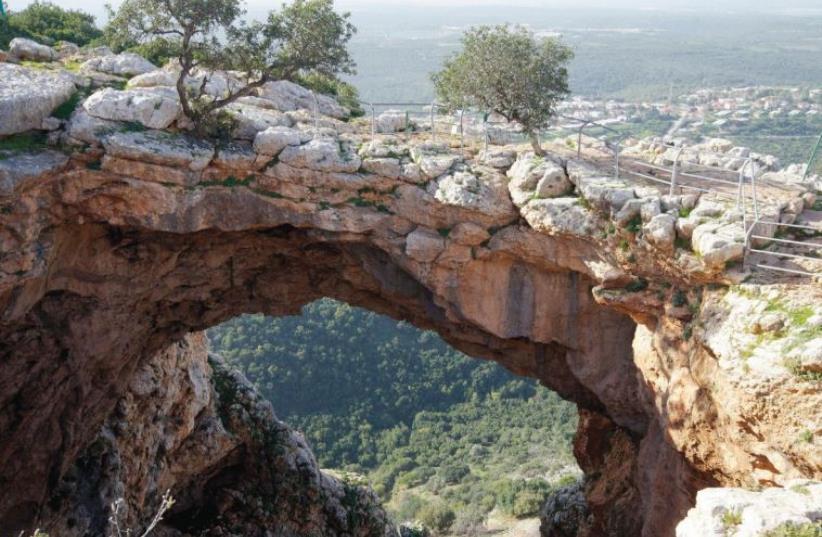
[128, 235]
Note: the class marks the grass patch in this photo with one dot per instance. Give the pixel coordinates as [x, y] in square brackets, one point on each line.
[640, 284]
[444, 231]
[730, 520]
[795, 367]
[792, 529]
[64, 110]
[229, 181]
[29, 142]
[634, 225]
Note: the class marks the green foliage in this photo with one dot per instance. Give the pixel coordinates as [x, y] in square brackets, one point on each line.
[637, 285]
[437, 516]
[22, 143]
[305, 37]
[507, 70]
[792, 529]
[731, 519]
[48, 23]
[522, 498]
[345, 93]
[408, 411]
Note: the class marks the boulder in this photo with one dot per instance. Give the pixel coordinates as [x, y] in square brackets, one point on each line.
[721, 512]
[123, 64]
[661, 231]
[274, 139]
[287, 96]
[718, 243]
[324, 155]
[560, 216]
[28, 96]
[158, 147]
[486, 194]
[252, 120]
[390, 121]
[536, 177]
[155, 108]
[26, 49]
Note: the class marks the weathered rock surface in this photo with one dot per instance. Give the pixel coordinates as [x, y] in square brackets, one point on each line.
[123, 64]
[113, 254]
[285, 96]
[155, 108]
[26, 49]
[745, 513]
[28, 96]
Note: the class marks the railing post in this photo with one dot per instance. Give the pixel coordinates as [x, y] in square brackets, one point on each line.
[433, 124]
[753, 188]
[485, 132]
[675, 172]
[462, 131]
[373, 122]
[579, 139]
[616, 161]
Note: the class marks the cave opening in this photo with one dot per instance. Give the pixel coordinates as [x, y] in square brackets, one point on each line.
[459, 445]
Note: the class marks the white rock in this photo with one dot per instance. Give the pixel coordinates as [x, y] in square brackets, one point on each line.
[324, 155]
[722, 512]
[287, 95]
[650, 208]
[155, 108]
[26, 49]
[158, 147]
[252, 119]
[123, 64]
[28, 96]
[559, 215]
[424, 245]
[390, 121]
[718, 243]
[486, 195]
[274, 139]
[660, 231]
[498, 158]
[82, 127]
[536, 177]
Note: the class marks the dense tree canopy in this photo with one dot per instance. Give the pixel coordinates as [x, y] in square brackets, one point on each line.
[48, 23]
[507, 70]
[304, 37]
[415, 417]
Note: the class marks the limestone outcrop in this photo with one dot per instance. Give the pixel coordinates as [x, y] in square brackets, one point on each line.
[604, 289]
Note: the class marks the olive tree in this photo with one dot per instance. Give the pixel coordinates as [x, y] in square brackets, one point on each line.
[302, 38]
[507, 70]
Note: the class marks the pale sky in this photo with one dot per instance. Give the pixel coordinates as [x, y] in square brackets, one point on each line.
[95, 7]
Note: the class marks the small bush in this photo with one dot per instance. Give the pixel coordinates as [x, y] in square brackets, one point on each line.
[437, 516]
[48, 23]
[792, 529]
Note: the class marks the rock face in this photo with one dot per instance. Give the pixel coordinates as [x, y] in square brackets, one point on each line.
[744, 513]
[188, 414]
[28, 96]
[155, 108]
[113, 255]
[125, 63]
[26, 49]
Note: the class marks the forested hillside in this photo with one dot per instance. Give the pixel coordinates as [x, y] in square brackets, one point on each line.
[432, 430]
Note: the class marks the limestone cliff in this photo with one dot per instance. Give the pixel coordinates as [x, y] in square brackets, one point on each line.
[623, 300]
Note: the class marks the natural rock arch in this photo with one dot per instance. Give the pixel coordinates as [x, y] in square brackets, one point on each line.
[113, 255]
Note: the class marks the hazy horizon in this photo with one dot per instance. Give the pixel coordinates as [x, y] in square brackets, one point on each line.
[257, 8]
